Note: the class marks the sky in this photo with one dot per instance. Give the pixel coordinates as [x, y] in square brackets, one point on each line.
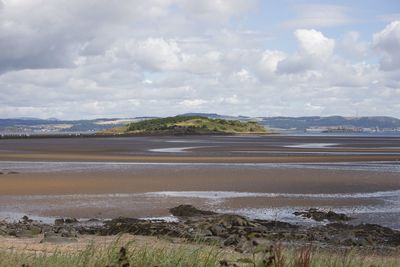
[84, 59]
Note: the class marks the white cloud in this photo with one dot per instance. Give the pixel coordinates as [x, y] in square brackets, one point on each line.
[270, 59]
[164, 57]
[231, 100]
[217, 10]
[147, 81]
[314, 43]
[319, 15]
[387, 41]
[351, 46]
[193, 103]
[244, 76]
[315, 50]
[156, 53]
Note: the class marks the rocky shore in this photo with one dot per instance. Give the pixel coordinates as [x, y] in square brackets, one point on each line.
[227, 230]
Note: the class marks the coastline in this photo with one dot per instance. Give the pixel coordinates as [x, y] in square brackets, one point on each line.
[143, 176]
[223, 229]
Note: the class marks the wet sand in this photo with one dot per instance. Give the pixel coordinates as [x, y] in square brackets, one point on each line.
[138, 191]
[230, 149]
[111, 177]
[168, 178]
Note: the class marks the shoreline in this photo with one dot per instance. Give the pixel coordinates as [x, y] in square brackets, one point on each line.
[122, 135]
[109, 190]
[227, 229]
[262, 178]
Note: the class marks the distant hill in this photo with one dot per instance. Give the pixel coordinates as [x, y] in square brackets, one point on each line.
[48, 126]
[188, 125]
[301, 123]
[52, 125]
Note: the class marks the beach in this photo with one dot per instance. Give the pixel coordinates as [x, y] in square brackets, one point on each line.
[258, 176]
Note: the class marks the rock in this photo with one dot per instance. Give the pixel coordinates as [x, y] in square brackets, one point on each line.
[30, 231]
[218, 230]
[26, 219]
[319, 216]
[238, 232]
[3, 230]
[25, 228]
[201, 232]
[65, 231]
[70, 220]
[232, 240]
[277, 225]
[228, 221]
[188, 211]
[59, 221]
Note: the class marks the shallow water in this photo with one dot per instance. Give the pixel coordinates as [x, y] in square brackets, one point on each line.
[374, 206]
[139, 204]
[70, 166]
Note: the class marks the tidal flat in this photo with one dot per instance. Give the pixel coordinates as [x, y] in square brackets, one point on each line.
[265, 177]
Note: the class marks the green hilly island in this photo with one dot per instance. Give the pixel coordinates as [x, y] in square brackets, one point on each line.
[188, 125]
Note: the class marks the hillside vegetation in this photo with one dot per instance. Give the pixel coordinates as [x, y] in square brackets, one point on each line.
[188, 125]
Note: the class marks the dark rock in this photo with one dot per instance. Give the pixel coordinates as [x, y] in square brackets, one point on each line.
[59, 221]
[27, 232]
[201, 232]
[319, 216]
[188, 211]
[65, 231]
[3, 230]
[70, 220]
[239, 232]
[218, 230]
[277, 224]
[229, 221]
[25, 219]
[232, 240]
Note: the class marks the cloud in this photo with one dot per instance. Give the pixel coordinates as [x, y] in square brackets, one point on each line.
[314, 43]
[351, 46]
[314, 50]
[217, 10]
[165, 57]
[390, 17]
[319, 15]
[156, 53]
[270, 60]
[193, 103]
[59, 31]
[387, 41]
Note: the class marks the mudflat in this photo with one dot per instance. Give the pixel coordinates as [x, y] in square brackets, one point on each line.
[168, 178]
[257, 176]
[235, 149]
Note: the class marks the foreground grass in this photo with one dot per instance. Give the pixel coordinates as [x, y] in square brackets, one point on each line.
[115, 255]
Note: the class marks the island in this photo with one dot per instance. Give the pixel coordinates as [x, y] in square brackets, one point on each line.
[182, 125]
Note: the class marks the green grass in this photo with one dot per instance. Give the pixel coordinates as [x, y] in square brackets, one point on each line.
[114, 255]
[188, 125]
[131, 255]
